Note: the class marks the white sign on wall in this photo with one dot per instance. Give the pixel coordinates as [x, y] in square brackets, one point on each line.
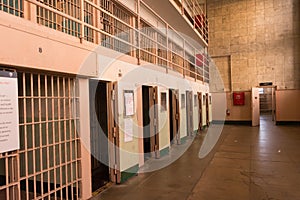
[128, 103]
[9, 117]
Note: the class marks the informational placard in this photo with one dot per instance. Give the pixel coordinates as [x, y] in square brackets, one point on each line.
[9, 117]
[128, 102]
[128, 130]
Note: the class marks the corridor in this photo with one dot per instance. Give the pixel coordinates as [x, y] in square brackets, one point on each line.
[247, 163]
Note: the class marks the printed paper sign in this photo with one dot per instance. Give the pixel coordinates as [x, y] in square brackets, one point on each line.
[129, 103]
[9, 118]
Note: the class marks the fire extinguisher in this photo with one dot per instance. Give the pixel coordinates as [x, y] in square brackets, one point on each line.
[227, 112]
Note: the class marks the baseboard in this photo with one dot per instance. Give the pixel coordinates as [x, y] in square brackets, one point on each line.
[164, 152]
[128, 173]
[297, 123]
[183, 140]
[233, 122]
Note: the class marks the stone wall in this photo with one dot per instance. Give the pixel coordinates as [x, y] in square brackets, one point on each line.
[254, 41]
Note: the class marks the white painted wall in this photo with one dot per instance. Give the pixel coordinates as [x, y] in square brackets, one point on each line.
[164, 120]
[210, 108]
[219, 106]
[183, 125]
[195, 113]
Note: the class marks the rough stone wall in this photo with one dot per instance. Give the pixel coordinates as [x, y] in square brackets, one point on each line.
[262, 40]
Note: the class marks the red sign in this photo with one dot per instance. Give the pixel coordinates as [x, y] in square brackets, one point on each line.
[238, 98]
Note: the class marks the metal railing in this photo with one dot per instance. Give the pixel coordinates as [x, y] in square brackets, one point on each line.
[195, 13]
[110, 24]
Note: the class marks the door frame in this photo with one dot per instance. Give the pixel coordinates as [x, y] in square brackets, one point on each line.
[255, 111]
[113, 133]
[189, 113]
[176, 115]
[154, 122]
[273, 96]
[207, 110]
[200, 111]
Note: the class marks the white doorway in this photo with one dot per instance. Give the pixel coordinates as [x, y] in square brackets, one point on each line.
[267, 103]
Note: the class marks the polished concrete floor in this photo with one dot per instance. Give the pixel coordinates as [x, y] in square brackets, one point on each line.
[247, 163]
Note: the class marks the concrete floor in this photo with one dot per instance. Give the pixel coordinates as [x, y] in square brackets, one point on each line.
[248, 163]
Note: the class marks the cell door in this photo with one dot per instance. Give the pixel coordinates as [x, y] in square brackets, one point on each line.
[255, 106]
[153, 113]
[207, 109]
[189, 113]
[113, 133]
[200, 111]
[174, 116]
[104, 136]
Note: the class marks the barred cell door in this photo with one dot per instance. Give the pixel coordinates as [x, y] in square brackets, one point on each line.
[48, 163]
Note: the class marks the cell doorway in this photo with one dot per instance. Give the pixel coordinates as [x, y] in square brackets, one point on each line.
[150, 122]
[99, 134]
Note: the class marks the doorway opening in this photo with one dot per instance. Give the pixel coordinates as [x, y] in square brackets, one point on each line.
[146, 123]
[99, 134]
[267, 103]
[150, 122]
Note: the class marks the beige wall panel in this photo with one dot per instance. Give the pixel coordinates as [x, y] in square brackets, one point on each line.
[287, 105]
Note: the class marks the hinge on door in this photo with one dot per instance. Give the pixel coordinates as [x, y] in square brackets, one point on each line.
[113, 94]
[154, 95]
[114, 129]
[177, 116]
[154, 122]
[115, 169]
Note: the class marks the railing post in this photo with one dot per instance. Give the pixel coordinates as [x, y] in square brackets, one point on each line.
[97, 24]
[82, 20]
[138, 29]
[167, 50]
[182, 7]
[30, 11]
[184, 66]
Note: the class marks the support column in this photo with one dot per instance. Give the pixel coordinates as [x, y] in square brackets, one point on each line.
[85, 139]
[30, 11]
